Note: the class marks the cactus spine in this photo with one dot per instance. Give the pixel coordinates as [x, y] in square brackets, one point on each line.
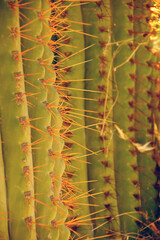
[99, 126]
[26, 114]
[33, 63]
[13, 107]
[144, 59]
[123, 157]
[73, 97]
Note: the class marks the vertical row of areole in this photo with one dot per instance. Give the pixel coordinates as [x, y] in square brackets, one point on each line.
[115, 29]
[130, 170]
[31, 143]
[13, 107]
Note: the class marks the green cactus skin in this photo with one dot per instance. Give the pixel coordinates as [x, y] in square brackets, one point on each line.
[124, 157]
[62, 214]
[3, 199]
[59, 168]
[64, 233]
[35, 62]
[143, 108]
[56, 153]
[33, 202]
[99, 137]
[38, 210]
[14, 106]
[73, 77]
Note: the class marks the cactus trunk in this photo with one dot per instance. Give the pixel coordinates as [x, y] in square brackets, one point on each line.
[79, 108]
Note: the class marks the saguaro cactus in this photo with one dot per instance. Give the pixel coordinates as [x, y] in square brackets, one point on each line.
[105, 128]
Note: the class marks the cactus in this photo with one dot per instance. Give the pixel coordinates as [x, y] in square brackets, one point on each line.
[12, 100]
[3, 203]
[144, 59]
[131, 53]
[126, 176]
[99, 126]
[79, 154]
[72, 86]
[28, 109]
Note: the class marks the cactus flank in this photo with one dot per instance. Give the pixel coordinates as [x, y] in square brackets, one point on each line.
[123, 157]
[80, 120]
[72, 96]
[25, 40]
[35, 64]
[3, 202]
[99, 122]
[17, 159]
[144, 59]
